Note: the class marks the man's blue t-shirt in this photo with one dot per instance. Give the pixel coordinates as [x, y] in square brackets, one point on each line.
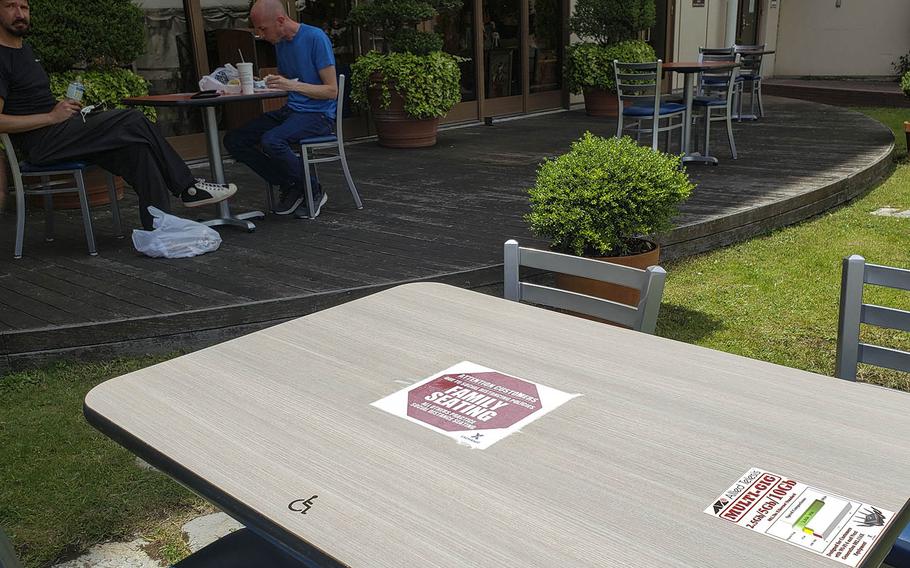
[301, 58]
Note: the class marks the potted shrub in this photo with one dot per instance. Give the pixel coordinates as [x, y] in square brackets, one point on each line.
[601, 200]
[94, 40]
[610, 29]
[414, 83]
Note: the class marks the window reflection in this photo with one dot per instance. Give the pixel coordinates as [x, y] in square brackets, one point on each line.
[502, 47]
[544, 45]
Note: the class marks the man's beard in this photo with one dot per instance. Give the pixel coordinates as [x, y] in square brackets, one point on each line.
[20, 31]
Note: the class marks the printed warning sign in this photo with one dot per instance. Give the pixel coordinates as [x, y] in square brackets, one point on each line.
[839, 528]
[472, 404]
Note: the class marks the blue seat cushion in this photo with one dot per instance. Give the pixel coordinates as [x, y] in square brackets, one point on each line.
[665, 108]
[709, 101]
[748, 77]
[320, 139]
[28, 168]
[899, 557]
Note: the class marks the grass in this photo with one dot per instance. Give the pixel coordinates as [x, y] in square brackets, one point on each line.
[65, 487]
[776, 298]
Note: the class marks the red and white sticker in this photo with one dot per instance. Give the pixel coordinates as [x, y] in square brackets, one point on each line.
[473, 405]
[833, 526]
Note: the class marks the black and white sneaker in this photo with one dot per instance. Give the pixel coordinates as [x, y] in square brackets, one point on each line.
[318, 201]
[203, 192]
[289, 200]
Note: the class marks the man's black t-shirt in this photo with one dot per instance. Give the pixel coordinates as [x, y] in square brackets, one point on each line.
[24, 86]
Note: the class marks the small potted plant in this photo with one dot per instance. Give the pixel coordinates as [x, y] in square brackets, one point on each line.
[414, 83]
[601, 200]
[610, 29]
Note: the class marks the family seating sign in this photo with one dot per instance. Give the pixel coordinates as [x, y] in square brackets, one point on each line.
[473, 405]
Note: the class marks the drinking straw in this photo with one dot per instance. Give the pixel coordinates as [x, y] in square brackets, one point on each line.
[241, 55]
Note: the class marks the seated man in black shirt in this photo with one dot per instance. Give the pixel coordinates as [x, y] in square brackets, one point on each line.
[123, 142]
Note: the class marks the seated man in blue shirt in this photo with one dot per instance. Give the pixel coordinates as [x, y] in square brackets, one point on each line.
[306, 65]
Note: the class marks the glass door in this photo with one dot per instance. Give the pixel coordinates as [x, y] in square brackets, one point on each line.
[747, 28]
[504, 65]
[457, 31]
[545, 49]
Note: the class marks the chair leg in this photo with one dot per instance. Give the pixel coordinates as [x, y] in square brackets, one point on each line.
[20, 221]
[707, 130]
[655, 133]
[305, 158]
[270, 197]
[348, 178]
[619, 126]
[761, 106]
[86, 214]
[730, 133]
[48, 218]
[742, 94]
[115, 207]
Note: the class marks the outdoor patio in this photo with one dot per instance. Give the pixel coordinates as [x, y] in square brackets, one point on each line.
[438, 214]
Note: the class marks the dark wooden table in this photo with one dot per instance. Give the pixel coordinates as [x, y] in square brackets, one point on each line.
[224, 215]
[690, 69]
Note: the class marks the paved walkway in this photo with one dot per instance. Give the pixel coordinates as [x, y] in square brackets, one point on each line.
[440, 213]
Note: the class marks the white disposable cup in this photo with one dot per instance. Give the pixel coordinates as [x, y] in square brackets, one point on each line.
[246, 78]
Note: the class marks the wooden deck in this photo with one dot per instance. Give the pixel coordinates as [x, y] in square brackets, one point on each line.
[436, 214]
[838, 92]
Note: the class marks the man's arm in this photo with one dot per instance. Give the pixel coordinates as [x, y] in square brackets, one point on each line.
[327, 90]
[12, 124]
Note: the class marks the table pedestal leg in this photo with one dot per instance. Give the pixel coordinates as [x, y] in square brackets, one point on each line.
[688, 86]
[223, 209]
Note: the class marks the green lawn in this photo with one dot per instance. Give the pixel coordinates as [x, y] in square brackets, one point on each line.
[64, 486]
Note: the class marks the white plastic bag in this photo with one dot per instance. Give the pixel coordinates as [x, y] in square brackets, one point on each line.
[174, 237]
[220, 79]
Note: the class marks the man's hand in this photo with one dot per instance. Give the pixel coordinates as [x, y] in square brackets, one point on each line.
[64, 110]
[281, 83]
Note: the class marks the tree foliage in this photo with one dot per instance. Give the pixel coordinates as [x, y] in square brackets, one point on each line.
[590, 65]
[86, 33]
[396, 22]
[612, 21]
[429, 84]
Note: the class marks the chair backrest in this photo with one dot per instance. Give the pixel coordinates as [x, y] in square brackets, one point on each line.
[8, 557]
[751, 62]
[853, 312]
[339, 109]
[716, 82]
[638, 82]
[650, 284]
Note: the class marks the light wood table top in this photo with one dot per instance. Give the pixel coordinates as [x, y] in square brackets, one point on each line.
[619, 476]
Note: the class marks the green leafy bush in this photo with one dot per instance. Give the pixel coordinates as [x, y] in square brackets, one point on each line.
[612, 21]
[396, 21]
[591, 65]
[603, 193]
[428, 83]
[104, 88]
[905, 83]
[86, 33]
[901, 66]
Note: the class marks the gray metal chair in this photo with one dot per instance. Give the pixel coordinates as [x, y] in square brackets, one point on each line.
[8, 558]
[650, 284]
[854, 312]
[48, 188]
[750, 73]
[717, 92]
[308, 148]
[640, 83]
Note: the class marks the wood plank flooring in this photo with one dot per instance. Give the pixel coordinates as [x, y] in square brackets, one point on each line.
[440, 213]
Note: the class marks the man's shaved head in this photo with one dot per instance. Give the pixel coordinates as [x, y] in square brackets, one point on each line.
[271, 21]
[269, 9]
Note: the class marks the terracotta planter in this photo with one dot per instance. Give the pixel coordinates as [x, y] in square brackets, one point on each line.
[396, 128]
[95, 188]
[616, 293]
[599, 102]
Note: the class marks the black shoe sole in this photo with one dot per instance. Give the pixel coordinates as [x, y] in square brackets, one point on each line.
[293, 207]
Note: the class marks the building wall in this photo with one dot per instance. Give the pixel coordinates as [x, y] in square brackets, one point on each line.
[861, 38]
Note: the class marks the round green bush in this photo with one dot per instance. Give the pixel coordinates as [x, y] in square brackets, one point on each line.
[601, 195]
[612, 21]
[429, 84]
[905, 83]
[591, 65]
[104, 88]
[86, 33]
